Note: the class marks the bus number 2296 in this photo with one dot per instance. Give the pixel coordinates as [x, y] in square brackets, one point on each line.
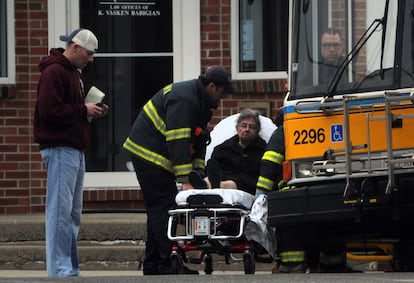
[309, 136]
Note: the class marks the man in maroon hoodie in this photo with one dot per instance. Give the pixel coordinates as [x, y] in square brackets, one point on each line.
[61, 130]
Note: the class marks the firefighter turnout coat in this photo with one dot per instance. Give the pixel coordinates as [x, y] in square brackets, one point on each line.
[170, 131]
[271, 165]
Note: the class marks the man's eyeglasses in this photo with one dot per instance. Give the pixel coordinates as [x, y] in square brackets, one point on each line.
[248, 126]
[329, 45]
[90, 53]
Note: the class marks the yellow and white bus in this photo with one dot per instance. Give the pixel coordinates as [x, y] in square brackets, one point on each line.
[349, 123]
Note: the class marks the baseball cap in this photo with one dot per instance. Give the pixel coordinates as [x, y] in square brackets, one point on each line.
[82, 37]
[220, 77]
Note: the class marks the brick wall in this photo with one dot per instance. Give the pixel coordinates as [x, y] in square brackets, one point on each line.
[22, 179]
[216, 50]
[22, 175]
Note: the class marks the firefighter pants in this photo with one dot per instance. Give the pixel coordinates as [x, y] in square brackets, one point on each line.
[291, 248]
[159, 189]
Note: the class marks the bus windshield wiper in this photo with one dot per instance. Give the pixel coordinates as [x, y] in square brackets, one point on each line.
[333, 83]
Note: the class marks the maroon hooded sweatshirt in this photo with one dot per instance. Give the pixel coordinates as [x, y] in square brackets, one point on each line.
[60, 117]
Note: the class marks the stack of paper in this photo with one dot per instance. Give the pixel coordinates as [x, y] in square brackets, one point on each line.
[95, 95]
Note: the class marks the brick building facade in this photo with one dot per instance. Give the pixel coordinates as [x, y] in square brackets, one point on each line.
[22, 174]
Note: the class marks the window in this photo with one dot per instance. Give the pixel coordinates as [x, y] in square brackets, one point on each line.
[142, 67]
[7, 60]
[260, 39]
[127, 68]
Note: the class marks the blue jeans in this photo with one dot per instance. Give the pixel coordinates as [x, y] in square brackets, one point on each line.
[65, 172]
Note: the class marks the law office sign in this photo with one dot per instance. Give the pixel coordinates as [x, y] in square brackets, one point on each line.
[127, 26]
[129, 8]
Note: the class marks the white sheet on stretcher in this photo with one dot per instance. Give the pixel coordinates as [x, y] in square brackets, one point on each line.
[229, 196]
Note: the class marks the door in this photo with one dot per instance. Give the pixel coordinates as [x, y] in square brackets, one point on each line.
[140, 50]
[134, 60]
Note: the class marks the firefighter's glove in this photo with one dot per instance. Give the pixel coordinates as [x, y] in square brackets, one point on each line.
[260, 192]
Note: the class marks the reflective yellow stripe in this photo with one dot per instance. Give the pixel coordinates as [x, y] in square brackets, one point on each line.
[148, 155]
[152, 113]
[176, 134]
[167, 89]
[199, 163]
[292, 256]
[183, 169]
[265, 183]
[285, 186]
[273, 156]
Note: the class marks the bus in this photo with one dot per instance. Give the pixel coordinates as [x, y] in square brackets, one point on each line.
[349, 126]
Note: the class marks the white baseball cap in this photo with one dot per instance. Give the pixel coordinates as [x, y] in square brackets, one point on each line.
[82, 37]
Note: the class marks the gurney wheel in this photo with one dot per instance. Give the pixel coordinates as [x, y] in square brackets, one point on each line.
[208, 261]
[249, 263]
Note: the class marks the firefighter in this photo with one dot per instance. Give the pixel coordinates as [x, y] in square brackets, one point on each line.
[291, 251]
[294, 256]
[166, 142]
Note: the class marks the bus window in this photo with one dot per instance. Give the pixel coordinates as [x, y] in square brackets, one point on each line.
[337, 44]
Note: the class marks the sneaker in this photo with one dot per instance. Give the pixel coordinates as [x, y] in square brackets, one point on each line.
[196, 180]
[213, 173]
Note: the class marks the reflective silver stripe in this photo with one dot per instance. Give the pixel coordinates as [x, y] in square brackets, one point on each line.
[273, 156]
[176, 134]
[148, 155]
[265, 183]
[152, 113]
[183, 169]
[199, 163]
[167, 89]
[292, 256]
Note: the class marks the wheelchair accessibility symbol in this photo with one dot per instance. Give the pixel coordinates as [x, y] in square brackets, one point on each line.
[337, 133]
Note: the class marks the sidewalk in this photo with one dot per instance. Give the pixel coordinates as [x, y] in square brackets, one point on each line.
[102, 273]
[86, 273]
[86, 217]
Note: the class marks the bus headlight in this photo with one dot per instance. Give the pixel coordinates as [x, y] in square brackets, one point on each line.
[324, 167]
[304, 169]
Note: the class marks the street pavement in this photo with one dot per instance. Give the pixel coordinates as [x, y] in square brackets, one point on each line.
[38, 276]
[113, 221]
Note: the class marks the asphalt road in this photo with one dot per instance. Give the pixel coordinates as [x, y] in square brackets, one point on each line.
[128, 276]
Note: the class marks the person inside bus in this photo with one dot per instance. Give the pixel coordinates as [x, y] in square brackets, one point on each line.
[235, 163]
[331, 55]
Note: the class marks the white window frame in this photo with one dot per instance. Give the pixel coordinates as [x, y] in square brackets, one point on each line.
[64, 18]
[10, 78]
[235, 40]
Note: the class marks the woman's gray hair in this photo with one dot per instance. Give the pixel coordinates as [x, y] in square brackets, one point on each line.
[249, 113]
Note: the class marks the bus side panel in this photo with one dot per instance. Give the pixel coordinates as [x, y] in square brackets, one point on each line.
[311, 135]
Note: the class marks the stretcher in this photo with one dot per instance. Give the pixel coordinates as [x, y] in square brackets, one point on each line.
[212, 222]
